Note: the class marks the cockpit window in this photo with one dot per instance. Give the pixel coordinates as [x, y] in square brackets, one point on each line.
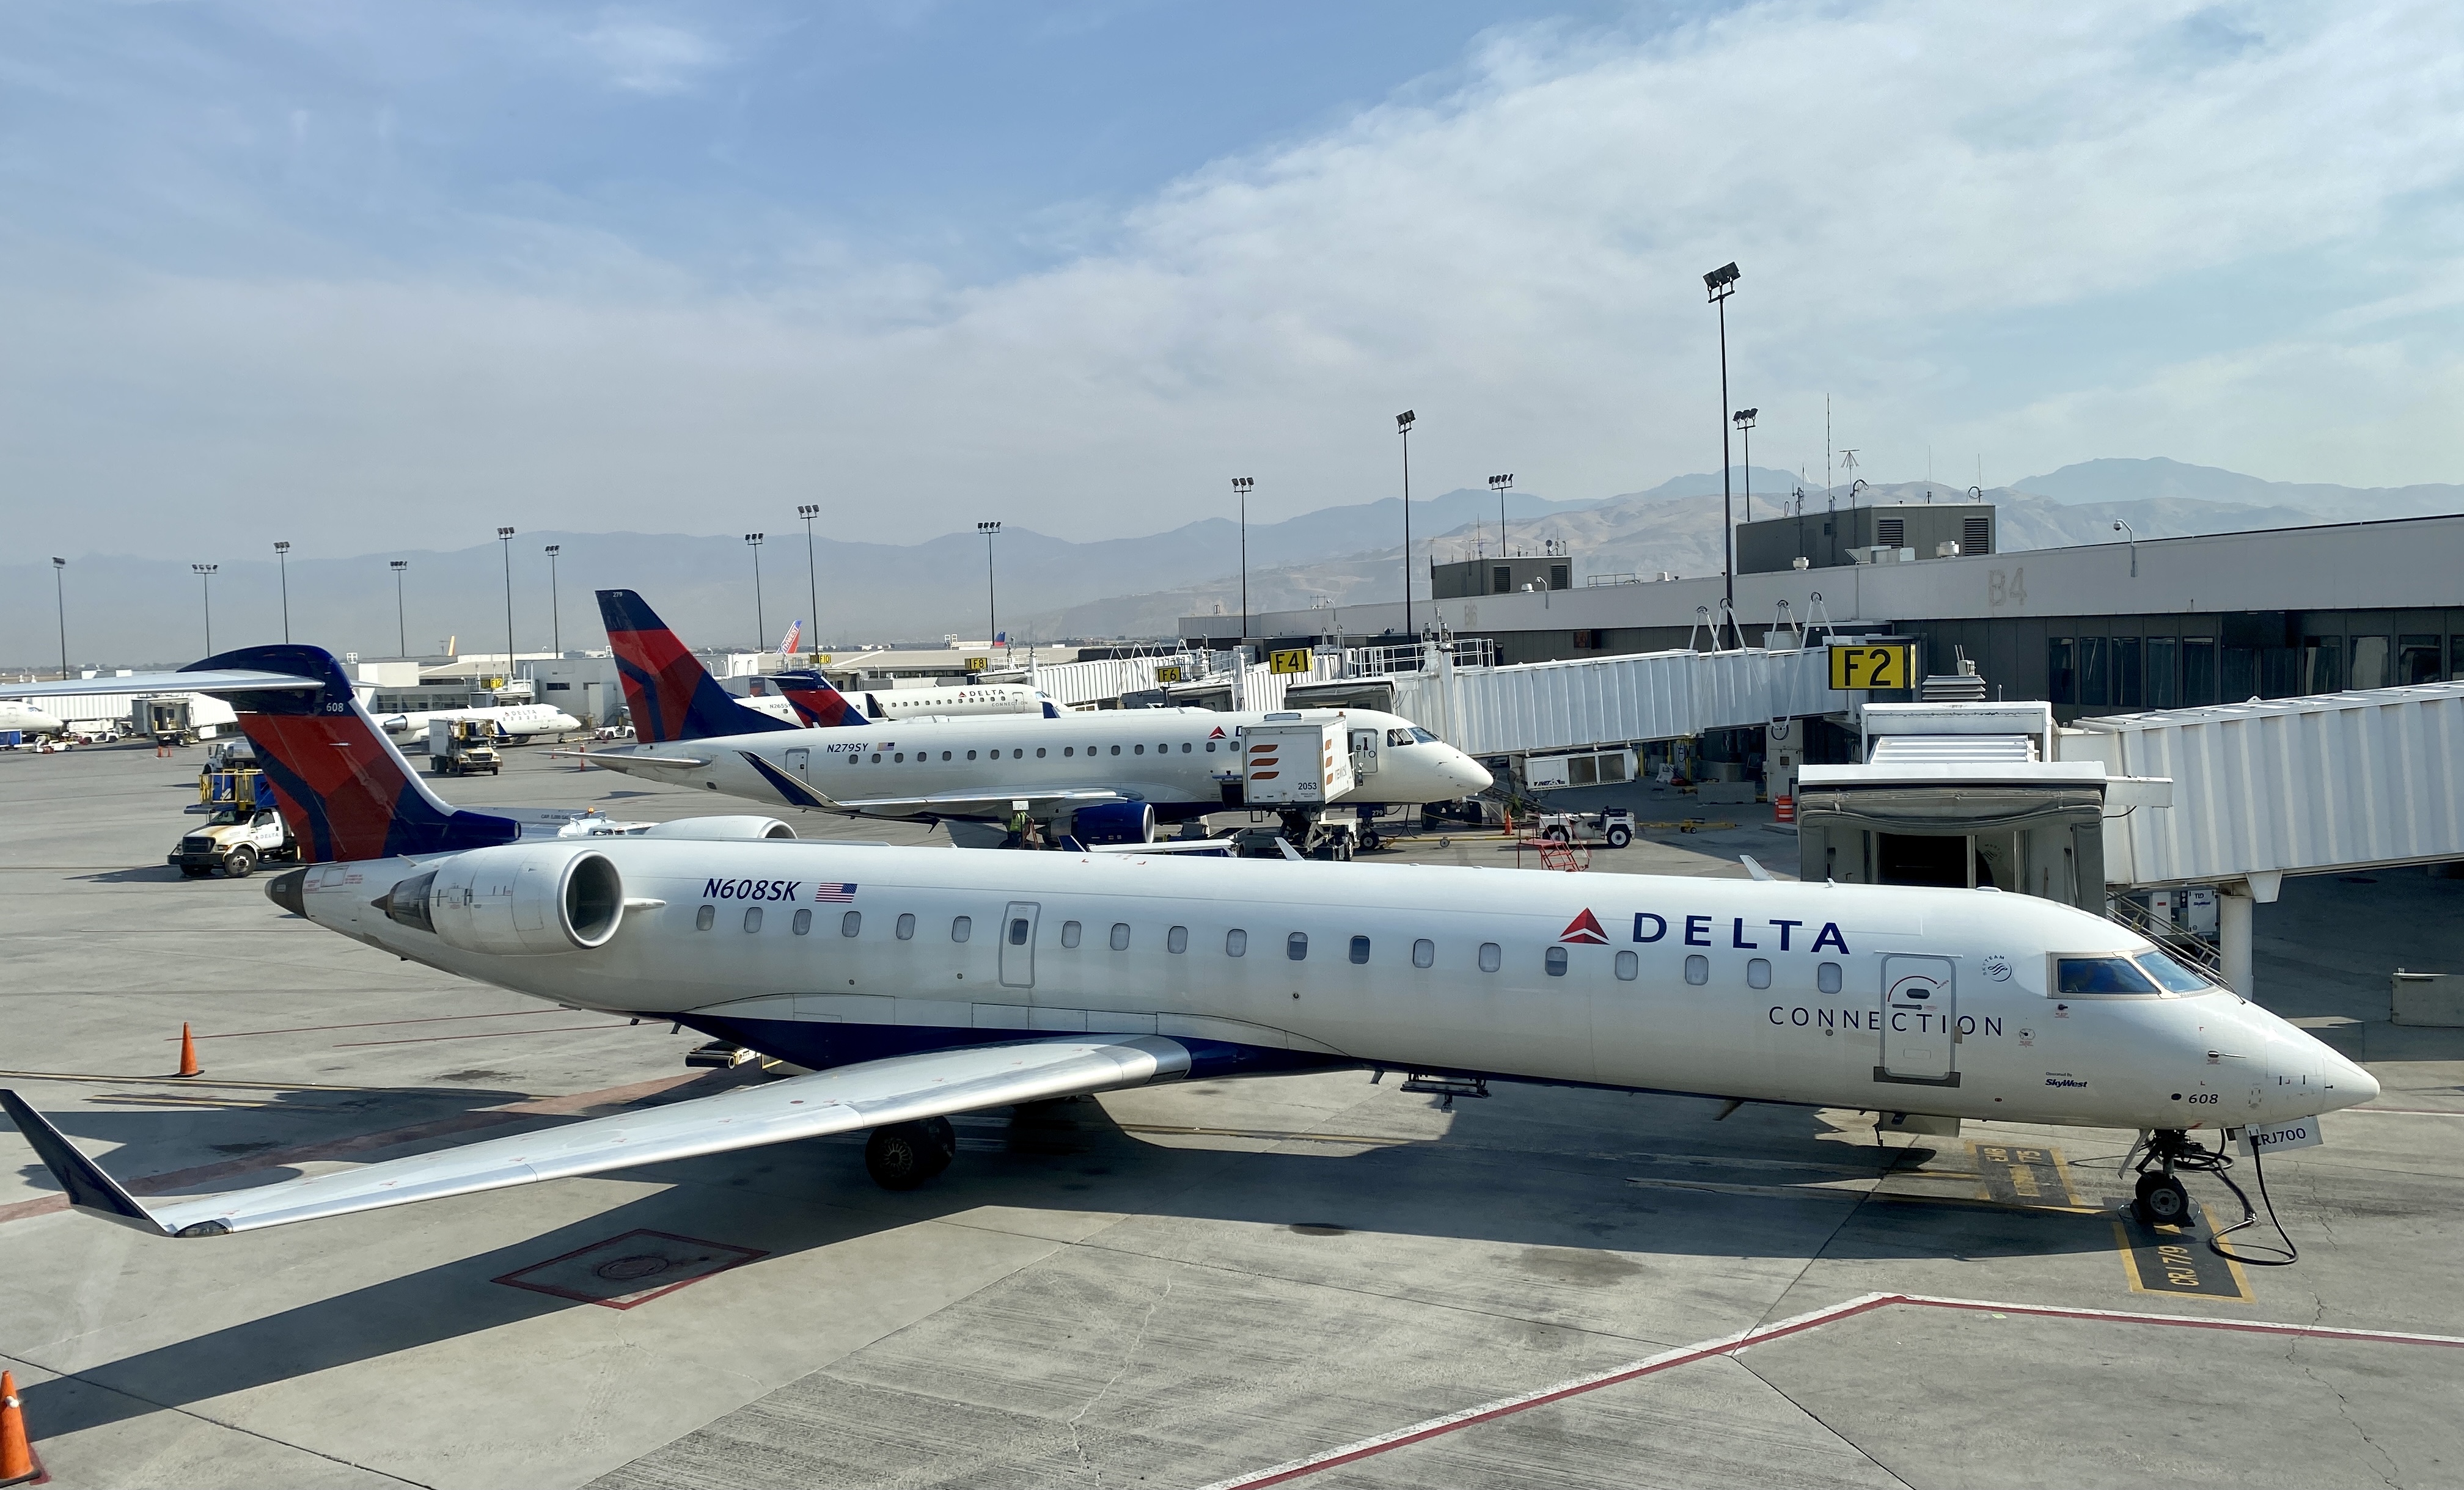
[2171, 975]
[1398, 736]
[2100, 976]
[1423, 736]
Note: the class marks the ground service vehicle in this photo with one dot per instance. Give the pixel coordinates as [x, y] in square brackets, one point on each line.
[462, 747]
[235, 838]
[1612, 825]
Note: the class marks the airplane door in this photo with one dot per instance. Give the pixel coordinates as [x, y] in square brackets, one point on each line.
[800, 760]
[1364, 751]
[1018, 945]
[1920, 997]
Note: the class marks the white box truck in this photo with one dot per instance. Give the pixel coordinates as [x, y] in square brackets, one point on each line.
[1295, 763]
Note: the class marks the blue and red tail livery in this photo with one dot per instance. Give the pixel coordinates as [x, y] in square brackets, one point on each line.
[672, 695]
[815, 702]
[343, 788]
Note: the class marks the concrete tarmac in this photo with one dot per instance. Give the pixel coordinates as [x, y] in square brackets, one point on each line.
[1174, 1286]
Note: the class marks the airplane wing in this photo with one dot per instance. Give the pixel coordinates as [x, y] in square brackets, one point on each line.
[614, 760]
[847, 1098]
[235, 680]
[797, 793]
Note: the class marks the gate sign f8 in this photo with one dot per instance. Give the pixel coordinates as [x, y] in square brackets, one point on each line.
[1875, 665]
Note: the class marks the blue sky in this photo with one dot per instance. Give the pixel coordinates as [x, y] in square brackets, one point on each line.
[384, 275]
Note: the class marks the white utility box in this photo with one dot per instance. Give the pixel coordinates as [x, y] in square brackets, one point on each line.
[1297, 765]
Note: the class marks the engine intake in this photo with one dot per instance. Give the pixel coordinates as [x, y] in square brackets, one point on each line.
[514, 901]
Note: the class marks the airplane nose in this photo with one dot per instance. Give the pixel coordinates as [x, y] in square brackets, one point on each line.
[2353, 1084]
[1471, 774]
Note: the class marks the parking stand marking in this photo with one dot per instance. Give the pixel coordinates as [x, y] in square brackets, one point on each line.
[2175, 1260]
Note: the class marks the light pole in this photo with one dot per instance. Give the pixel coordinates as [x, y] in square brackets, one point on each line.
[282, 559]
[555, 620]
[992, 605]
[760, 623]
[2131, 539]
[206, 583]
[1403, 427]
[1722, 283]
[812, 574]
[1744, 420]
[401, 631]
[60, 594]
[1240, 485]
[1500, 485]
[505, 536]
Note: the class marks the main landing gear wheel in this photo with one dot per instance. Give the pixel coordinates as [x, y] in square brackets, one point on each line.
[2162, 1202]
[903, 1155]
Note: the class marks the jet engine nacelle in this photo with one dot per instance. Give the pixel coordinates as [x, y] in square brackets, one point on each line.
[1114, 823]
[721, 829]
[515, 900]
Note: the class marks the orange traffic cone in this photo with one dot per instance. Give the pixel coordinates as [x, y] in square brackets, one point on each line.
[17, 1462]
[189, 1066]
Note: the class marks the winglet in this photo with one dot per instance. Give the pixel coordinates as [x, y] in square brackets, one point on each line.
[1753, 867]
[89, 1188]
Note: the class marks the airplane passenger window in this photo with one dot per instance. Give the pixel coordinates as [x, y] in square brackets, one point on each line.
[1491, 958]
[1070, 933]
[1210, 747]
[1018, 755]
[970, 754]
[1039, 753]
[961, 929]
[1068, 750]
[898, 758]
[1017, 931]
[1120, 936]
[1360, 949]
[945, 754]
[1296, 946]
[1697, 969]
[752, 918]
[803, 923]
[1116, 750]
[1628, 966]
[2100, 976]
[1758, 973]
[1137, 750]
[1236, 943]
[852, 923]
[2171, 975]
[1826, 977]
[1184, 747]
[876, 757]
[1425, 953]
[703, 917]
[1176, 939]
[1555, 963]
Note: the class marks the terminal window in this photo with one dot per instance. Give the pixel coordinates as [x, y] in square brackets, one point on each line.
[2198, 670]
[2164, 672]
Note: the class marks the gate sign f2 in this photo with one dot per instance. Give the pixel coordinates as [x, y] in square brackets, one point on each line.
[1873, 665]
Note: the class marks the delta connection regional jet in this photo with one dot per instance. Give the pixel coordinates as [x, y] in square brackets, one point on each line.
[921, 982]
[1114, 772]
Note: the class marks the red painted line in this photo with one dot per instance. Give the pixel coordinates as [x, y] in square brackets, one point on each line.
[430, 1040]
[368, 1025]
[1730, 1344]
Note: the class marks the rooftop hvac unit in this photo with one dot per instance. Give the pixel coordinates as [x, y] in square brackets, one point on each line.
[1891, 532]
[1976, 536]
[1945, 550]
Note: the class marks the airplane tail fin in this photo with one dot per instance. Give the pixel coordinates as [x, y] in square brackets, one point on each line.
[815, 701]
[343, 787]
[672, 695]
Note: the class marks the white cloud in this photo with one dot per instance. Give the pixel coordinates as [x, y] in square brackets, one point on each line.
[651, 56]
[1519, 261]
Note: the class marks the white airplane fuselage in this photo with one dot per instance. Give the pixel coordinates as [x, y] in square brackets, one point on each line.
[1169, 757]
[1871, 997]
[520, 720]
[28, 720]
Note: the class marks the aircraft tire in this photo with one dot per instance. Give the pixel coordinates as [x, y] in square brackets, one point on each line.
[2162, 1202]
[241, 862]
[903, 1155]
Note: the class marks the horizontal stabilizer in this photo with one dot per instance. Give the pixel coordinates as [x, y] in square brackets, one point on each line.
[847, 1098]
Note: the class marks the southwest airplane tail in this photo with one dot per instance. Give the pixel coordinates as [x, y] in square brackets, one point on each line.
[671, 694]
[815, 701]
[345, 790]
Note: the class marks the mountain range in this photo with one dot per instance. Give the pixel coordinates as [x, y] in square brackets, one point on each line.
[139, 612]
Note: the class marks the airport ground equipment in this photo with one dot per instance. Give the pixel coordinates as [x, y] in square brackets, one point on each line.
[463, 747]
[236, 837]
[1611, 825]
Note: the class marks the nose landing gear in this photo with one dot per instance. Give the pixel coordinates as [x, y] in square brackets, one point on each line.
[2163, 1200]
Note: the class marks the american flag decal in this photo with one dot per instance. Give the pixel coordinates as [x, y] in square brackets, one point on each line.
[835, 893]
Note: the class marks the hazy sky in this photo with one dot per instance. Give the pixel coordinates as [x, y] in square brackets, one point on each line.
[366, 275]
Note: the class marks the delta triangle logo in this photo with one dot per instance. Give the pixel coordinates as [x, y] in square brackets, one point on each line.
[1586, 929]
[1218, 734]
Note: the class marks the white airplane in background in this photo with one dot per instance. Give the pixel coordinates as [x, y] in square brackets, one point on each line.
[27, 719]
[1115, 773]
[520, 721]
[918, 984]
